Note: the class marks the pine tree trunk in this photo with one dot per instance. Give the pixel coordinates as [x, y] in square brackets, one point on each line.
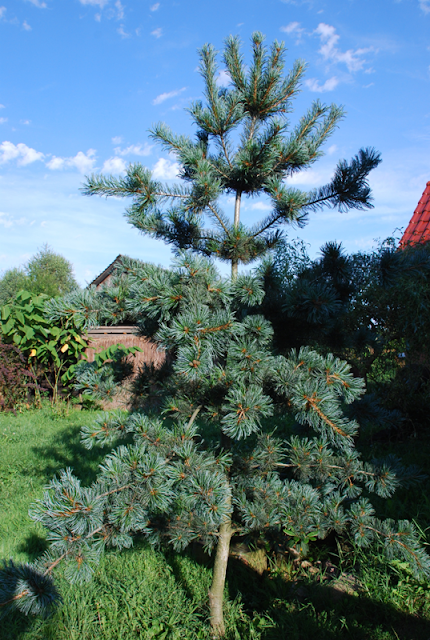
[234, 266]
[235, 261]
[216, 592]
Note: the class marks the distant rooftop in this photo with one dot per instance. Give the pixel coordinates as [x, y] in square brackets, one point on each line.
[418, 229]
[106, 273]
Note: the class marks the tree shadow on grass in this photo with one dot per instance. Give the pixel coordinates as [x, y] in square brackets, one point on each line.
[196, 554]
[306, 610]
[69, 452]
[279, 609]
[33, 545]
[317, 610]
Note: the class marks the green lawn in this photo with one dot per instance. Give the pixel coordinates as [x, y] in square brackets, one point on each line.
[143, 593]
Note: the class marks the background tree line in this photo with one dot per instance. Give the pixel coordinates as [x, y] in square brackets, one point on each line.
[46, 272]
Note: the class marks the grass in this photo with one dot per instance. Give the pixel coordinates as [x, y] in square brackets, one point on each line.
[144, 593]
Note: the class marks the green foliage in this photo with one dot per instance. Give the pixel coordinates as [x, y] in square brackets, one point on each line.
[54, 348]
[50, 273]
[367, 308]
[246, 146]
[13, 280]
[15, 378]
[172, 484]
[46, 272]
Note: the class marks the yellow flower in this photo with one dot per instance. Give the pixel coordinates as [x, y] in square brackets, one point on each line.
[64, 348]
[32, 353]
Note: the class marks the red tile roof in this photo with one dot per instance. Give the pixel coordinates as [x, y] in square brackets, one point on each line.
[418, 229]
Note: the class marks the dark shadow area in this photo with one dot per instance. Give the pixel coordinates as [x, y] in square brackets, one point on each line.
[69, 452]
[15, 622]
[34, 545]
[15, 625]
[308, 610]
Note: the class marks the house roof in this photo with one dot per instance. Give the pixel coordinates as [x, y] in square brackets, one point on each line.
[418, 229]
[104, 274]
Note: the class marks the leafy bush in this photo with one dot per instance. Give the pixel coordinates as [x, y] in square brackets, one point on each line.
[52, 348]
[15, 378]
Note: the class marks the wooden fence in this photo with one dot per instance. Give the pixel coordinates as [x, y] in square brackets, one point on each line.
[103, 337]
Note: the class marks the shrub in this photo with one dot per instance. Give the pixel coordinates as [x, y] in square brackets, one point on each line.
[15, 378]
[54, 348]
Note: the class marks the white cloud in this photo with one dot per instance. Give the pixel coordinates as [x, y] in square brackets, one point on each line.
[154, 7]
[23, 154]
[157, 33]
[2, 106]
[294, 29]
[3, 120]
[261, 206]
[96, 3]
[114, 165]
[26, 26]
[123, 33]
[38, 3]
[309, 177]
[165, 96]
[329, 85]
[56, 163]
[165, 169]
[25, 121]
[9, 221]
[332, 149]
[5, 221]
[425, 6]
[120, 10]
[330, 52]
[2, 11]
[117, 139]
[98, 17]
[134, 149]
[223, 78]
[83, 162]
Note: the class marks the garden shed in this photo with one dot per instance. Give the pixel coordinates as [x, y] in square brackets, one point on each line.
[102, 337]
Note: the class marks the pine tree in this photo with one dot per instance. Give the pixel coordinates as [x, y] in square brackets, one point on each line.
[203, 465]
[243, 147]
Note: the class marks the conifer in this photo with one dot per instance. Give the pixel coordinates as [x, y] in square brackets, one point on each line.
[244, 146]
[203, 465]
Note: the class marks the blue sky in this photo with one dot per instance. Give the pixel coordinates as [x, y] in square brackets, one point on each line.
[81, 81]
